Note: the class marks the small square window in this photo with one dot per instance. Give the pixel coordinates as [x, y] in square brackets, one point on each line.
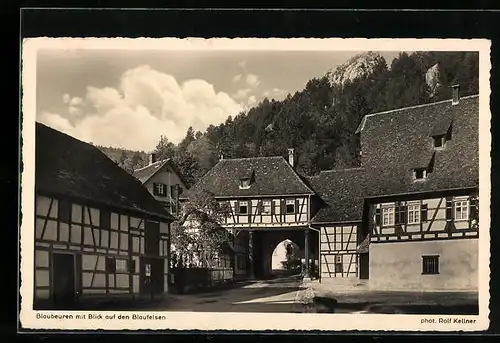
[243, 207]
[121, 265]
[419, 174]
[430, 265]
[439, 141]
[245, 183]
[160, 189]
[290, 206]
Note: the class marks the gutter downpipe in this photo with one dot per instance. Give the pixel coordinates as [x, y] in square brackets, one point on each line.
[319, 251]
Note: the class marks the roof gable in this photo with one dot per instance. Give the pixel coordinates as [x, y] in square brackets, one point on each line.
[269, 175]
[146, 173]
[69, 167]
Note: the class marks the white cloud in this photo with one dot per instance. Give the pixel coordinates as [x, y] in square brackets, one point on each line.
[236, 78]
[276, 94]
[147, 104]
[252, 80]
[242, 93]
[66, 98]
[251, 101]
[243, 64]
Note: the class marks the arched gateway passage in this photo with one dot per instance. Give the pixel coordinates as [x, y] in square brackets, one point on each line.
[263, 243]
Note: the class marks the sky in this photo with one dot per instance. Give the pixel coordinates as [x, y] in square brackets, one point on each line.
[129, 98]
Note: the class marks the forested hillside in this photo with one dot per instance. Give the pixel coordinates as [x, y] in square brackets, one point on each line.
[320, 121]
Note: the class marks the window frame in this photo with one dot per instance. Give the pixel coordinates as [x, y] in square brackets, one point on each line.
[418, 170]
[415, 210]
[390, 210]
[245, 183]
[243, 204]
[463, 205]
[441, 139]
[160, 189]
[289, 202]
[126, 266]
[267, 204]
[430, 264]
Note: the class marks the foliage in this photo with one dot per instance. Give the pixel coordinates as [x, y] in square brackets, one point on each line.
[198, 237]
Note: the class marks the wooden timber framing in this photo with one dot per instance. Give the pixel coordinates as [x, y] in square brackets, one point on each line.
[268, 212]
[338, 244]
[436, 218]
[107, 245]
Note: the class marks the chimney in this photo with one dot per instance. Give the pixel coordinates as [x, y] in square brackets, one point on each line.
[456, 94]
[152, 158]
[291, 157]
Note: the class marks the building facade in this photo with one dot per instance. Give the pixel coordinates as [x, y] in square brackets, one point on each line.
[164, 181]
[99, 234]
[406, 218]
[269, 203]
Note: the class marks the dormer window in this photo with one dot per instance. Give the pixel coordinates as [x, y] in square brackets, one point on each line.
[246, 179]
[439, 141]
[244, 183]
[419, 174]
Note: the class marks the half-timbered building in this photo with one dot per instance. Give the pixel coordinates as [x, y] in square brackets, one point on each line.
[164, 181]
[421, 195]
[337, 213]
[99, 234]
[269, 203]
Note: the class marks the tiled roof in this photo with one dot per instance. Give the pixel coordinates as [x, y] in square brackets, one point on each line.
[144, 174]
[342, 194]
[69, 167]
[271, 176]
[395, 142]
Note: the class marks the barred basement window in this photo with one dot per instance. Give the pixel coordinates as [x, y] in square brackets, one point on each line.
[430, 265]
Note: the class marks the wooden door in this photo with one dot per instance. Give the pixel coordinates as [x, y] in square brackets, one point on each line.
[152, 275]
[364, 263]
[64, 281]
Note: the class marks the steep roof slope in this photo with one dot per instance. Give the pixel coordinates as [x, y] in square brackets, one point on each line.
[145, 173]
[69, 167]
[342, 193]
[395, 142]
[270, 176]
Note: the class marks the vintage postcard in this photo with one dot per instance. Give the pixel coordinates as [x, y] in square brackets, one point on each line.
[255, 184]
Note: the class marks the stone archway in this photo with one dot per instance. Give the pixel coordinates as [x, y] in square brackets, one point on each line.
[286, 258]
[266, 241]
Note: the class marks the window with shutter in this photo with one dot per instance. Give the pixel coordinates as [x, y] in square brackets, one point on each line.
[243, 207]
[110, 265]
[474, 213]
[462, 210]
[290, 206]
[449, 208]
[423, 213]
[105, 220]
[377, 216]
[64, 211]
[388, 216]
